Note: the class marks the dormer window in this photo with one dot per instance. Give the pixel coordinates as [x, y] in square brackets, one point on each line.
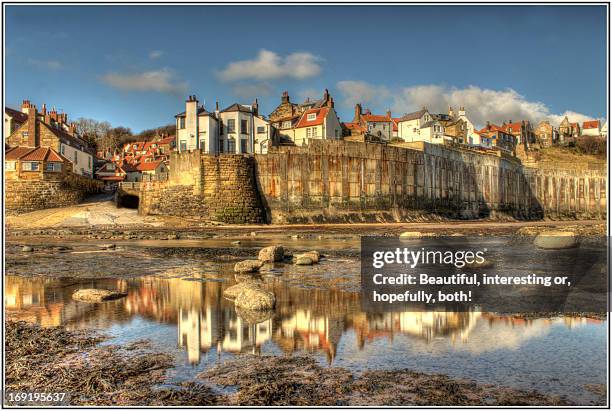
[311, 117]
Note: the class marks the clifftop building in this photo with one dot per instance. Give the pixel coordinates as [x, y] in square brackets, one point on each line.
[236, 129]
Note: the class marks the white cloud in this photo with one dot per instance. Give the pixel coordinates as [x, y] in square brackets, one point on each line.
[162, 81]
[252, 90]
[155, 54]
[481, 105]
[269, 66]
[45, 64]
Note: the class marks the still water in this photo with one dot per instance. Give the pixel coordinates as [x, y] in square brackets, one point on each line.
[183, 312]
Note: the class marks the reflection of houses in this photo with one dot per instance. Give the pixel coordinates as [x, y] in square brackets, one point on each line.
[307, 331]
[203, 328]
[426, 325]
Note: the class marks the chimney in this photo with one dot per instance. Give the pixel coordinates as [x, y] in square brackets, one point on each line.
[32, 138]
[285, 97]
[357, 113]
[43, 111]
[326, 95]
[450, 111]
[25, 105]
[217, 106]
[331, 102]
[191, 119]
[461, 111]
[256, 108]
[389, 114]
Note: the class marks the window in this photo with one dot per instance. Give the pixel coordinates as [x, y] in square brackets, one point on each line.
[314, 131]
[25, 134]
[181, 122]
[183, 145]
[62, 149]
[231, 125]
[30, 166]
[231, 146]
[220, 145]
[244, 126]
[308, 131]
[243, 145]
[9, 166]
[53, 167]
[261, 130]
[286, 124]
[311, 116]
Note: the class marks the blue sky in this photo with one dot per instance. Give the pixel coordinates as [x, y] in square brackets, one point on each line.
[135, 65]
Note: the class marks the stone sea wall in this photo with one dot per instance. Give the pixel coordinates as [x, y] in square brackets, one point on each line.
[219, 188]
[336, 181]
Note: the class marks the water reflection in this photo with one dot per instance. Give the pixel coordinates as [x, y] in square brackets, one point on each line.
[311, 320]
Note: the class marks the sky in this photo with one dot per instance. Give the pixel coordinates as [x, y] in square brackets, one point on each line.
[134, 66]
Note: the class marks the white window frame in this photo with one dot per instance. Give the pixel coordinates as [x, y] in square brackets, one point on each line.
[311, 116]
[27, 166]
[56, 167]
[10, 166]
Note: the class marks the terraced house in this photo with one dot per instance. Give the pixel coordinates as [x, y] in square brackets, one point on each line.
[49, 129]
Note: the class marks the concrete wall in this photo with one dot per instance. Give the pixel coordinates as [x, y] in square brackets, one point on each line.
[330, 181]
[337, 181]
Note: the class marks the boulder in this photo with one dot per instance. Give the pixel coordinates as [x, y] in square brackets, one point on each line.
[484, 265]
[303, 260]
[233, 291]
[27, 249]
[271, 254]
[414, 234]
[248, 278]
[255, 299]
[314, 255]
[555, 240]
[95, 295]
[248, 266]
[253, 317]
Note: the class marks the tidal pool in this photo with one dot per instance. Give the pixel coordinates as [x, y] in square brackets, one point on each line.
[181, 309]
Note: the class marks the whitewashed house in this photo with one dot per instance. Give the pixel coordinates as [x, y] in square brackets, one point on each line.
[421, 126]
[237, 129]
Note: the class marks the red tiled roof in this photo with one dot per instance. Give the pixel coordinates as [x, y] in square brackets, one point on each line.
[354, 126]
[591, 124]
[321, 114]
[373, 118]
[167, 140]
[395, 122]
[514, 127]
[148, 166]
[34, 154]
[492, 127]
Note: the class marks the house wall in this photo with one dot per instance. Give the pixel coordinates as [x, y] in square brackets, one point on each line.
[591, 132]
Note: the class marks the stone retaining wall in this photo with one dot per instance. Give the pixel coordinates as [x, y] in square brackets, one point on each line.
[22, 196]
